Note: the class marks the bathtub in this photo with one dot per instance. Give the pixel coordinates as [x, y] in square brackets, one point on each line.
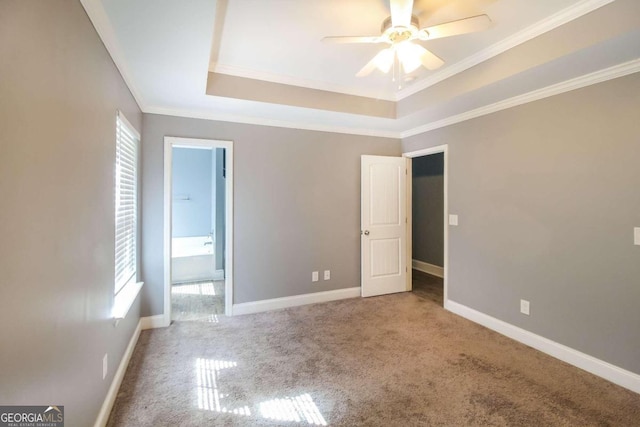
[192, 259]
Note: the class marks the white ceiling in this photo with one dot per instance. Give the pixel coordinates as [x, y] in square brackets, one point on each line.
[165, 48]
[280, 40]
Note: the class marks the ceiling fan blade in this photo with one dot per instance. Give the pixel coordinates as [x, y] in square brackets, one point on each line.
[401, 11]
[367, 69]
[430, 60]
[383, 61]
[454, 28]
[353, 39]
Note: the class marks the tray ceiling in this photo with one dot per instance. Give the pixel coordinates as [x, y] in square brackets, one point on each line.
[237, 60]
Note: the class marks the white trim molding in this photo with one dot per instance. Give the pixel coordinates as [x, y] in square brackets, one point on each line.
[294, 301]
[153, 322]
[259, 121]
[547, 24]
[169, 143]
[425, 152]
[576, 358]
[554, 21]
[102, 24]
[107, 405]
[600, 76]
[124, 299]
[610, 73]
[100, 20]
[425, 267]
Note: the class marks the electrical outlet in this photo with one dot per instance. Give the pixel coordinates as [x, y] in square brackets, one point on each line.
[105, 365]
[453, 219]
[314, 276]
[636, 236]
[327, 275]
[524, 307]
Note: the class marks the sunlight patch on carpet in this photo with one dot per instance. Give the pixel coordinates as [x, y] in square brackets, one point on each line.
[209, 396]
[205, 288]
[299, 408]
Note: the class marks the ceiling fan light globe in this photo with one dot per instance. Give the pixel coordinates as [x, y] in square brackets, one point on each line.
[409, 55]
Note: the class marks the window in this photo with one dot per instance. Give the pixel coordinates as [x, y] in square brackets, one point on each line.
[127, 140]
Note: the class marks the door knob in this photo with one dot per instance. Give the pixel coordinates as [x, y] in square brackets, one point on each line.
[366, 232]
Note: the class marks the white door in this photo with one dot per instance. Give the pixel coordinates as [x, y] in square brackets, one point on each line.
[383, 225]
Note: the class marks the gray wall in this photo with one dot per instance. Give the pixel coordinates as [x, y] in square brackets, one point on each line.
[192, 178]
[59, 92]
[428, 209]
[296, 206]
[547, 197]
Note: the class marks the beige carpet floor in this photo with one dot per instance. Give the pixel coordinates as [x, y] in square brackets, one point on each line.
[396, 360]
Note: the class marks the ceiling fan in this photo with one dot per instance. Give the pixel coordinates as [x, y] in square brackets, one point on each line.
[401, 30]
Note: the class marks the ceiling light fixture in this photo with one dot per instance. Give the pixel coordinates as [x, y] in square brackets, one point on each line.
[401, 30]
[404, 57]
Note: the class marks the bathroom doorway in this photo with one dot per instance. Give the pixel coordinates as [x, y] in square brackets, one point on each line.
[197, 187]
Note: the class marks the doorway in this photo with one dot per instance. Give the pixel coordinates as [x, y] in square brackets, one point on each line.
[386, 222]
[198, 229]
[428, 231]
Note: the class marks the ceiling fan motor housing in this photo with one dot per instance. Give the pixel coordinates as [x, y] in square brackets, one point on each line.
[399, 34]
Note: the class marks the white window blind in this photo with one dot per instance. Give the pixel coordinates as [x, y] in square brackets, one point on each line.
[127, 140]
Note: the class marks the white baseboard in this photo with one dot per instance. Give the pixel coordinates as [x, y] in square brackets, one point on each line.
[616, 375]
[144, 323]
[278, 303]
[152, 322]
[425, 267]
[107, 405]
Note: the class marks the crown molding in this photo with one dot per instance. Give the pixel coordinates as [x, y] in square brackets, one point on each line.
[295, 81]
[234, 118]
[554, 21]
[600, 76]
[596, 77]
[101, 23]
[545, 25]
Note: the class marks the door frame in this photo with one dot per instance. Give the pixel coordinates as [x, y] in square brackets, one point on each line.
[420, 153]
[169, 143]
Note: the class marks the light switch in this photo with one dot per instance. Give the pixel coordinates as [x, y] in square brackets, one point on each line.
[327, 275]
[636, 236]
[314, 276]
[453, 219]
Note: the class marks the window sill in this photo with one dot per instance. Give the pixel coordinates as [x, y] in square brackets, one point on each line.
[124, 300]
